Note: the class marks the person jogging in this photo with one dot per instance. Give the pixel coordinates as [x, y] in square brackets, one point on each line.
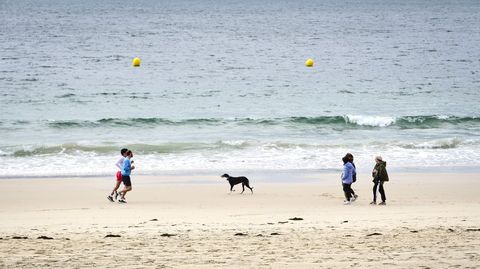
[126, 171]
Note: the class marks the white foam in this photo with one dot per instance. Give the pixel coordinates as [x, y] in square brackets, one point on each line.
[234, 142]
[380, 121]
[443, 117]
[255, 157]
[436, 144]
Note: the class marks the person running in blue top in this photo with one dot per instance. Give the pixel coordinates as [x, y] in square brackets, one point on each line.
[114, 194]
[126, 171]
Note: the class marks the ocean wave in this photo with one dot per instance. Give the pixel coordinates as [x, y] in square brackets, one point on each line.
[426, 122]
[412, 122]
[434, 144]
[337, 122]
[239, 155]
[404, 122]
[378, 121]
[75, 149]
[225, 146]
[129, 122]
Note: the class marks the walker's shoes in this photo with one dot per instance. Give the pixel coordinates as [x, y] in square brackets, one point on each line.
[355, 196]
[122, 201]
[346, 202]
[373, 203]
[382, 203]
[110, 198]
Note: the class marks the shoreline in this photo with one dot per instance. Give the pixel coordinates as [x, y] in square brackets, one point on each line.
[264, 172]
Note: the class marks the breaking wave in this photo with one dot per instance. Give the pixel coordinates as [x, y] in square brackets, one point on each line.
[346, 121]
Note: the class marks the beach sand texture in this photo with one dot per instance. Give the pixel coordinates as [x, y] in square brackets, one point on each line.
[431, 221]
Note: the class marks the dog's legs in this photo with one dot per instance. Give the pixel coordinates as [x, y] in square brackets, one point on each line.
[243, 188]
[231, 187]
[248, 186]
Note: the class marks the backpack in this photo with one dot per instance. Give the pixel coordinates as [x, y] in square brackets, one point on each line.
[354, 176]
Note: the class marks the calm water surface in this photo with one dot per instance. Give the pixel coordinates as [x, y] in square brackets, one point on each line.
[223, 85]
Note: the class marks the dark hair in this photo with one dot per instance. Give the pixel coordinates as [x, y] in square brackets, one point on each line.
[345, 160]
[349, 157]
[129, 152]
[123, 151]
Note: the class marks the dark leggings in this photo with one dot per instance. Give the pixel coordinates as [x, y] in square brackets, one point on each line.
[347, 189]
[380, 189]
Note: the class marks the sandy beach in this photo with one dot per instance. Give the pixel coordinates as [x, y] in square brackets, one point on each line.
[430, 221]
[278, 91]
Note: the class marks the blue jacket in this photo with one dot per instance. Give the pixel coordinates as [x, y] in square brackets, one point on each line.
[347, 175]
[127, 167]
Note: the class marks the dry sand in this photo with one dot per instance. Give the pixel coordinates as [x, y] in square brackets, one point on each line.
[431, 221]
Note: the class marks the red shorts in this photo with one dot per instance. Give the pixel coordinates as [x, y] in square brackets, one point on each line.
[119, 176]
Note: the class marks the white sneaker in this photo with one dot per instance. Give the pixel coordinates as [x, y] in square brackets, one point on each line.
[354, 198]
[347, 202]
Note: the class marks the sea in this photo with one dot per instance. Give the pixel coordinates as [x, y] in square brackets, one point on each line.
[223, 85]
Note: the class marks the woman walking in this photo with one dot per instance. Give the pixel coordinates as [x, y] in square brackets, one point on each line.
[349, 157]
[380, 176]
[347, 179]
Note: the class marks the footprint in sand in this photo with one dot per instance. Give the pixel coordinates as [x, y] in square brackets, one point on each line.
[112, 235]
[240, 234]
[374, 234]
[19, 237]
[45, 237]
[167, 235]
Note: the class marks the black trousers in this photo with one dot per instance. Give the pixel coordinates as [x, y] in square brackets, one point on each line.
[378, 184]
[347, 190]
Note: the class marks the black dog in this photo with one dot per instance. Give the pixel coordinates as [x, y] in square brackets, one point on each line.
[237, 180]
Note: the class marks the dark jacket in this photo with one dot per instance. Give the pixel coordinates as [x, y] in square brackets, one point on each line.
[382, 174]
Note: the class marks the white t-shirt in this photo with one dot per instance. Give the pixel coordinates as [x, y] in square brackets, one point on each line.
[119, 163]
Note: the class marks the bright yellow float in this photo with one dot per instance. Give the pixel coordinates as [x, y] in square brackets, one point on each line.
[136, 62]
[309, 63]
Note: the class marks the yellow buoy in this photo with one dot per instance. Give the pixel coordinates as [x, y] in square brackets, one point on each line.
[309, 63]
[136, 62]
